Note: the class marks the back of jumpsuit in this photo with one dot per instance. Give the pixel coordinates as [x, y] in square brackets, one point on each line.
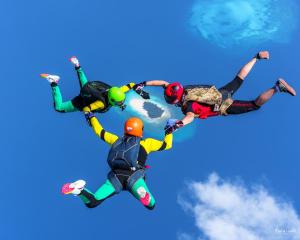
[77, 103]
[107, 190]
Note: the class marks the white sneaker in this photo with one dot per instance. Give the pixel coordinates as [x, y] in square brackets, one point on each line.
[73, 188]
[75, 61]
[50, 78]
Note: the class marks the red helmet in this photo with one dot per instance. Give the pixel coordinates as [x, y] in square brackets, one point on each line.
[173, 93]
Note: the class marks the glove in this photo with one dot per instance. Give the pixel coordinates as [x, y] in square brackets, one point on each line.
[138, 88]
[88, 116]
[172, 126]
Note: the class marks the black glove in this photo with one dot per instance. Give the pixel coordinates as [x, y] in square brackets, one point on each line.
[88, 116]
[172, 126]
[138, 88]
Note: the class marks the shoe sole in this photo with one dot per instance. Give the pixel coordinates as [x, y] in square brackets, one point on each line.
[44, 75]
[66, 189]
[288, 87]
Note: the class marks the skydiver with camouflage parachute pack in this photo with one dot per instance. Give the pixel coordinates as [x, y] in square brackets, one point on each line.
[203, 101]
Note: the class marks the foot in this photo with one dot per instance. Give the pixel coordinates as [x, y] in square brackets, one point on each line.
[50, 78]
[144, 196]
[73, 188]
[283, 86]
[75, 61]
[263, 55]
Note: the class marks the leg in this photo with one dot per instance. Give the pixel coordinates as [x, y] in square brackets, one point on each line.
[59, 105]
[265, 96]
[235, 84]
[243, 73]
[81, 76]
[230, 88]
[140, 191]
[280, 86]
[239, 107]
[93, 200]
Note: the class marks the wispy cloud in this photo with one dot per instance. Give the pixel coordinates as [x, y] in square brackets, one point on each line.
[225, 210]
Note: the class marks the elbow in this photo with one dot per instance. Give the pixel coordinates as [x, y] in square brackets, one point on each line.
[169, 145]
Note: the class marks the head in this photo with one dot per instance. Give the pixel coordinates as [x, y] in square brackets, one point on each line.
[116, 97]
[134, 127]
[173, 93]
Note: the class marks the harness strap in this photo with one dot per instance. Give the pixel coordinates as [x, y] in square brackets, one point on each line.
[112, 177]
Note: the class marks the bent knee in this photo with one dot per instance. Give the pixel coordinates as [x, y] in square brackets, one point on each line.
[59, 109]
[91, 205]
[255, 105]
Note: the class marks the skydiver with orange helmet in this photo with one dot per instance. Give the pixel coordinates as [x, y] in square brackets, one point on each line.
[127, 159]
[203, 101]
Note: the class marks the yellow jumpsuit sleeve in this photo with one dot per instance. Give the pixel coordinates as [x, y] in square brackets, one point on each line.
[153, 145]
[127, 87]
[107, 137]
[93, 106]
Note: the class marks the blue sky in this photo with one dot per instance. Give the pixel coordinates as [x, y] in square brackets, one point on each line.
[117, 42]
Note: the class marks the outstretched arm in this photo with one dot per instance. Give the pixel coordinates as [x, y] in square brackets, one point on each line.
[138, 87]
[189, 117]
[153, 145]
[174, 124]
[156, 83]
[127, 87]
[107, 137]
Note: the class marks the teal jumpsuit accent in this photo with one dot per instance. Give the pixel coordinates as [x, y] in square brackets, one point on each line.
[67, 106]
[140, 187]
[107, 190]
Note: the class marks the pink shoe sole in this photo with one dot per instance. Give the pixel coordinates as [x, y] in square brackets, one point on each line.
[44, 75]
[145, 200]
[66, 189]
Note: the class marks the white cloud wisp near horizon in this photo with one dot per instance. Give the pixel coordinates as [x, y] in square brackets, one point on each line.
[225, 210]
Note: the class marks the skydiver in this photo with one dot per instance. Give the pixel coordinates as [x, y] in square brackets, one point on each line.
[126, 158]
[203, 101]
[97, 96]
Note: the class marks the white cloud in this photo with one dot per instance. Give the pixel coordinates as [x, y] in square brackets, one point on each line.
[224, 210]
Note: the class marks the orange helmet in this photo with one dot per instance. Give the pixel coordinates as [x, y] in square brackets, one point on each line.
[134, 126]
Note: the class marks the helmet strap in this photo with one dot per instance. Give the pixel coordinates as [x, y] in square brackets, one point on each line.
[123, 107]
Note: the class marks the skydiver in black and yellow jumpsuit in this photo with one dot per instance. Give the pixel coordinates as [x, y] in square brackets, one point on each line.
[96, 95]
[127, 158]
